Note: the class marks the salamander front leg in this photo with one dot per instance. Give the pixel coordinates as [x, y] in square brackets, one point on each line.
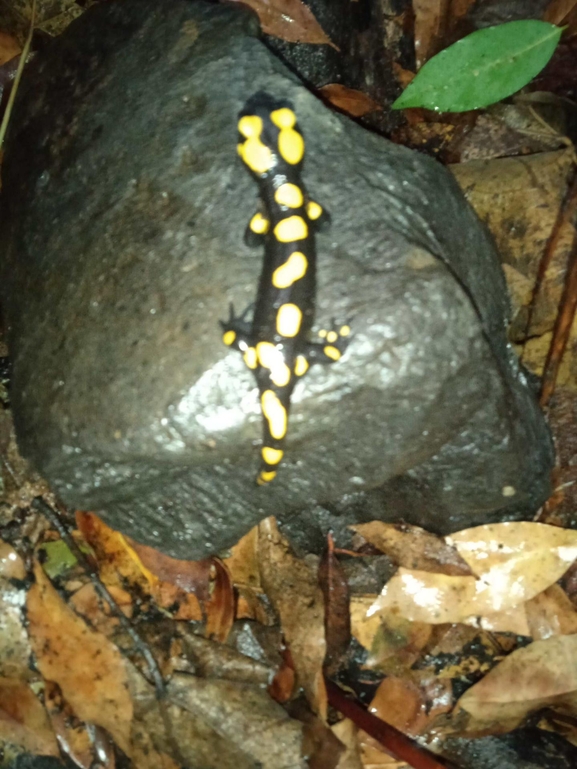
[237, 333]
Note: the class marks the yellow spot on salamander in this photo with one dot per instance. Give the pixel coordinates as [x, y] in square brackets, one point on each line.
[266, 476]
[314, 210]
[291, 228]
[344, 330]
[249, 356]
[288, 320]
[256, 155]
[275, 414]
[332, 336]
[271, 456]
[259, 224]
[249, 126]
[283, 118]
[291, 146]
[228, 337]
[331, 352]
[271, 357]
[292, 270]
[289, 195]
[301, 365]
[322, 333]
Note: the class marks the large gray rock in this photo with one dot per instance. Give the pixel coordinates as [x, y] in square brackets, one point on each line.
[123, 209]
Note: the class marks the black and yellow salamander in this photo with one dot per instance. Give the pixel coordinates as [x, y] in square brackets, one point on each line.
[275, 344]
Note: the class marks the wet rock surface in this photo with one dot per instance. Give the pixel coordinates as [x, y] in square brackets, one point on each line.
[123, 209]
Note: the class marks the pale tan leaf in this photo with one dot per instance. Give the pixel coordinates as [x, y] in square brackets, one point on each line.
[518, 560]
[346, 732]
[87, 667]
[293, 590]
[11, 565]
[543, 673]
[290, 20]
[551, 613]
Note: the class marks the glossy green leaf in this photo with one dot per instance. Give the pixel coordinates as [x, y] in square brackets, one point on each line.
[483, 67]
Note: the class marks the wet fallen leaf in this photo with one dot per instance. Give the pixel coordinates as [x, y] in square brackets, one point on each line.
[292, 588]
[540, 674]
[209, 659]
[73, 736]
[349, 100]
[220, 609]
[413, 547]
[246, 716]
[87, 667]
[346, 732]
[11, 565]
[14, 644]
[242, 562]
[562, 12]
[290, 20]
[333, 583]
[411, 705]
[23, 719]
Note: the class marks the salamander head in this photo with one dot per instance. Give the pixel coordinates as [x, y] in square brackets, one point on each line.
[269, 136]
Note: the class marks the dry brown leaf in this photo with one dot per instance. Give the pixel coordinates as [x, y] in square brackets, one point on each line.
[386, 635]
[430, 22]
[220, 609]
[413, 547]
[543, 673]
[290, 20]
[293, 590]
[14, 644]
[410, 706]
[246, 716]
[333, 583]
[551, 613]
[242, 562]
[9, 47]
[561, 12]
[346, 732]
[87, 667]
[73, 736]
[23, 719]
[349, 100]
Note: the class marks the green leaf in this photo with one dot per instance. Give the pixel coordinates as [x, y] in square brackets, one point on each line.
[483, 67]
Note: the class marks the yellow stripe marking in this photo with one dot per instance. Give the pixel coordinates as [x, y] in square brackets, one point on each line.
[259, 224]
[301, 365]
[271, 456]
[249, 356]
[289, 195]
[228, 337]
[265, 477]
[344, 330]
[314, 210]
[291, 228]
[332, 336]
[291, 146]
[292, 270]
[275, 414]
[288, 320]
[331, 352]
[250, 125]
[283, 117]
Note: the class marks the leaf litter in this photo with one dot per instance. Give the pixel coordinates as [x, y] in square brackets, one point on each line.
[229, 634]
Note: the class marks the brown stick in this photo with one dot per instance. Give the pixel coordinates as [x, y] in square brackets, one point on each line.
[563, 323]
[396, 743]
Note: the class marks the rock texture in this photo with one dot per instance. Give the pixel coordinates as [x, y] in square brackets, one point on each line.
[123, 209]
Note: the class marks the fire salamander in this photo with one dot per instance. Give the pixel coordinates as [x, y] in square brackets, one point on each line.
[275, 344]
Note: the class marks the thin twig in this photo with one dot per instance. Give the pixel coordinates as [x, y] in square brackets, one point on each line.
[156, 676]
[19, 71]
[396, 743]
